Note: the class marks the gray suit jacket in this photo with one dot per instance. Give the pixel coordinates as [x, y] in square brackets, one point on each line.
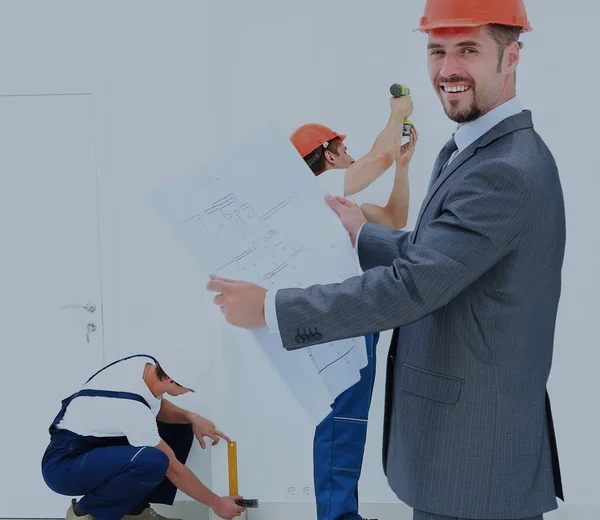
[472, 293]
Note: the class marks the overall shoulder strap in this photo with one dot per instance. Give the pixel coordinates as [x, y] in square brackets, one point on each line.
[102, 393]
[95, 393]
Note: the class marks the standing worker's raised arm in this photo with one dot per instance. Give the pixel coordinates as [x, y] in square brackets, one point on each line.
[394, 214]
[378, 160]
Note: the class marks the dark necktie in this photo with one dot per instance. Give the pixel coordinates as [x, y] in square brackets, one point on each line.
[442, 159]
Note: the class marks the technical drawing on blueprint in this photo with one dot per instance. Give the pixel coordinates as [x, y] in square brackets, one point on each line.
[249, 219]
[243, 244]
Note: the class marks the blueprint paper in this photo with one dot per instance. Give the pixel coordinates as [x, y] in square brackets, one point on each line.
[258, 214]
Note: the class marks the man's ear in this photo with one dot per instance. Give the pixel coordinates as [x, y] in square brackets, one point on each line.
[513, 54]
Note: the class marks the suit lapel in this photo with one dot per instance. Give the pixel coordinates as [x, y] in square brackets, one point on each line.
[509, 125]
[441, 160]
[448, 171]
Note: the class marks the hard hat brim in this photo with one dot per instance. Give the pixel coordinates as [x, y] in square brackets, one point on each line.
[184, 386]
[464, 22]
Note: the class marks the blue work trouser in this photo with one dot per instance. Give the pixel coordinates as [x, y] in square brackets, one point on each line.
[113, 477]
[339, 445]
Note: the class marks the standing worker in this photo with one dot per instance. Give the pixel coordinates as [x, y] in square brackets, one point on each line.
[339, 440]
[118, 443]
[472, 292]
[324, 152]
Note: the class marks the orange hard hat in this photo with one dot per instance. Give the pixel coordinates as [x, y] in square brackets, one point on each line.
[309, 137]
[472, 13]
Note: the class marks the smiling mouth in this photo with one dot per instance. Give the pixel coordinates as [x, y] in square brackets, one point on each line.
[455, 89]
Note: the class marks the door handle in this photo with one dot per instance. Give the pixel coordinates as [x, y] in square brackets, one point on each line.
[89, 306]
[91, 327]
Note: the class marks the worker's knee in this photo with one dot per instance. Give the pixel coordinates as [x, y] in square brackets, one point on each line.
[152, 462]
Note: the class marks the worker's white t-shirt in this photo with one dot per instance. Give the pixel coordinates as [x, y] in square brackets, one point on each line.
[333, 182]
[111, 417]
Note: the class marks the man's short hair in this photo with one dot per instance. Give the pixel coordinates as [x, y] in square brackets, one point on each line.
[503, 35]
[160, 373]
[316, 159]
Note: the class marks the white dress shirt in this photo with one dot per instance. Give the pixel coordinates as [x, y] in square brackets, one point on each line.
[465, 135]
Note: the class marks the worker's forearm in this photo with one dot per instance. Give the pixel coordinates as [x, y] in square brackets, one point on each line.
[171, 414]
[397, 204]
[377, 215]
[184, 479]
[369, 168]
[394, 214]
[383, 216]
[362, 173]
[390, 138]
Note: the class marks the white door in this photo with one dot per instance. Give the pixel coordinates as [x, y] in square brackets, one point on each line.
[49, 259]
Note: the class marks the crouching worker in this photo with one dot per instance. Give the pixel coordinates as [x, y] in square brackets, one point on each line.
[121, 447]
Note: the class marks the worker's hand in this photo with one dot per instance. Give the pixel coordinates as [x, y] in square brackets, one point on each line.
[226, 508]
[242, 303]
[405, 153]
[204, 428]
[350, 214]
[402, 107]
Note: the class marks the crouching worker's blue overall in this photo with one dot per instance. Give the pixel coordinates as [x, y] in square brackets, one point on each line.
[114, 477]
[339, 446]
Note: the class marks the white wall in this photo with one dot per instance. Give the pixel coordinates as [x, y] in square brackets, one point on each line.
[148, 66]
[154, 78]
[333, 63]
[152, 65]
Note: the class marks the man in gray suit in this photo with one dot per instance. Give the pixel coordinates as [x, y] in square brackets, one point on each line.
[472, 292]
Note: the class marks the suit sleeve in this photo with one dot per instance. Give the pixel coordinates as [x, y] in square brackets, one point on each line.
[482, 219]
[380, 246]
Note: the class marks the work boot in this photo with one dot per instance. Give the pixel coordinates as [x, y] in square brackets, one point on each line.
[148, 514]
[71, 513]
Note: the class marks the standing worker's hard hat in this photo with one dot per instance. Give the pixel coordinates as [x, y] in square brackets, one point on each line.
[472, 13]
[309, 137]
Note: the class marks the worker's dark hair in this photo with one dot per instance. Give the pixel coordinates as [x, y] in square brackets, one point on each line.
[160, 373]
[316, 158]
[503, 35]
